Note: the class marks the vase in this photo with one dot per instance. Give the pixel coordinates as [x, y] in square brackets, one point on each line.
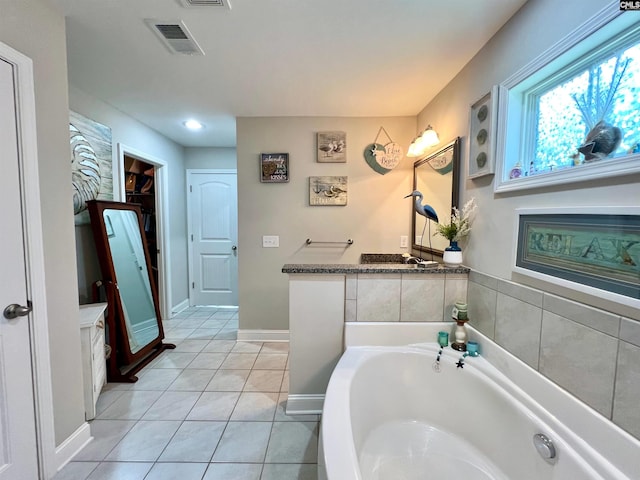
[452, 255]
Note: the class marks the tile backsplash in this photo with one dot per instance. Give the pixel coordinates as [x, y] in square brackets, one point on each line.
[406, 297]
[591, 353]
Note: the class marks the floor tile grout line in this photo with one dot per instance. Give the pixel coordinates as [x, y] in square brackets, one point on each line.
[167, 388]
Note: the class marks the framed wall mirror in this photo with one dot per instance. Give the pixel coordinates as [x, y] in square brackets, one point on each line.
[437, 177]
[134, 324]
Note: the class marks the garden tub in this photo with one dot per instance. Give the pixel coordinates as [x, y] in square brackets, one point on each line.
[389, 415]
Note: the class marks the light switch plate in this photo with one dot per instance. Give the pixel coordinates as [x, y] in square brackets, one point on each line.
[270, 241]
[404, 241]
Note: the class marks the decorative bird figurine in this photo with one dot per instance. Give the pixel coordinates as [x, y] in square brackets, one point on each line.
[424, 210]
[602, 140]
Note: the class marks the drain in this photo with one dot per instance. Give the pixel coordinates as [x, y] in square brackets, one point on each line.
[545, 447]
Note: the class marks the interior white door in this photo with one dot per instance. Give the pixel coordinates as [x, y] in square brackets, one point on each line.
[213, 230]
[18, 448]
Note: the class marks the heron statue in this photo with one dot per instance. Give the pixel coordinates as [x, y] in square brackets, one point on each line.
[429, 213]
[424, 210]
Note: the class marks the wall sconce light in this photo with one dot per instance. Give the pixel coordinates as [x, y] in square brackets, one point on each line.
[427, 139]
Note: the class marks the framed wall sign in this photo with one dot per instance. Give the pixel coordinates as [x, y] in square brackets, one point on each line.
[332, 147]
[482, 135]
[325, 191]
[274, 167]
[594, 250]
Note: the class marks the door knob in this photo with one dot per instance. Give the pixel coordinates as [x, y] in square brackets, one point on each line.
[14, 310]
[234, 248]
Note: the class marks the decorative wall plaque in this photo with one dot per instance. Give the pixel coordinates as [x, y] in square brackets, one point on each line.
[383, 158]
[324, 191]
[482, 135]
[274, 167]
[332, 147]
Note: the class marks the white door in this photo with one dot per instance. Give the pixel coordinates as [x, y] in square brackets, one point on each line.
[213, 230]
[18, 448]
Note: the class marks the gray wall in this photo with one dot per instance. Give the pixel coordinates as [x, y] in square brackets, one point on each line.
[375, 216]
[19, 20]
[135, 135]
[490, 243]
[553, 329]
[214, 157]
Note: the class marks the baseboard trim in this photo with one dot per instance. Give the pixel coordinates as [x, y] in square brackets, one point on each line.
[183, 305]
[72, 445]
[245, 335]
[304, 404]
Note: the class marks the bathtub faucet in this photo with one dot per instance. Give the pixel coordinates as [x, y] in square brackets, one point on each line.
[410, 259]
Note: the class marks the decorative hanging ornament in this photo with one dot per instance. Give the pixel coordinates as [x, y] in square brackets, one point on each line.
[383, 158]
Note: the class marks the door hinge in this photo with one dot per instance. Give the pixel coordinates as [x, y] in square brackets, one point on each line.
[193, 284]
[192, 237]
[190, 188]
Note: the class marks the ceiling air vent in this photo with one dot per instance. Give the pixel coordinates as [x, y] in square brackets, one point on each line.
[175, 36]
[206, 3]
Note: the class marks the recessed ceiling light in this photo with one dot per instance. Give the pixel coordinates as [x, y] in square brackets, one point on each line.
[193, 125]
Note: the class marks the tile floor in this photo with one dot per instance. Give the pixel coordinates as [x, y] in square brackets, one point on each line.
[212, 409]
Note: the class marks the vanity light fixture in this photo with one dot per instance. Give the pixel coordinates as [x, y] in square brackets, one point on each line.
[193, 125]
[427, 139]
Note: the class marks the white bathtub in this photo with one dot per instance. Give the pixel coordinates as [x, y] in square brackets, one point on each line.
[388, 415]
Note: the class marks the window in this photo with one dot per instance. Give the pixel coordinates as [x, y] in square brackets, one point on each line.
[551, 111]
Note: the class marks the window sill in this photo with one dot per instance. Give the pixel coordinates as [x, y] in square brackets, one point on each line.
[615, 167]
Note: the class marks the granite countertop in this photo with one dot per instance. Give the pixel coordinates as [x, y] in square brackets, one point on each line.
[370, 268]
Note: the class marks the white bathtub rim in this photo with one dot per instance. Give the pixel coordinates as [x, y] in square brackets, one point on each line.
[343, 454]
[568, 440]
[607, 439]
[336, 420]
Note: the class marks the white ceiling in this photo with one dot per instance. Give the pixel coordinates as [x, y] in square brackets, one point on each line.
[273, 58]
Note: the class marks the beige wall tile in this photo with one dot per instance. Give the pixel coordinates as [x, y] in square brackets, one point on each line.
[378, 298]
[580, 359]
[626, 411]
[482, 308]
[422, 299]
[518, 328]
[351, 287]
[455, 290]
[526, 294]
[605, 322]
[630, 331]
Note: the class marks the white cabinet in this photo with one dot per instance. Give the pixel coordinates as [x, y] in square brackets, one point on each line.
[94, 367]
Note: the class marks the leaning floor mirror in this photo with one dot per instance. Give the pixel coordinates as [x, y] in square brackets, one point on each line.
[134, 325]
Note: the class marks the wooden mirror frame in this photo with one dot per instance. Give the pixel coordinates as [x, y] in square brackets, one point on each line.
[122, 364]
[443, 216]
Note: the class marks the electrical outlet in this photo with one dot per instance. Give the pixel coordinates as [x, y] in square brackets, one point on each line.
[270, 241]
[404, 241]
[418, 239]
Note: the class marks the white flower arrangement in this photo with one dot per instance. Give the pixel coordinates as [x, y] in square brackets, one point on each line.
[460, 224]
